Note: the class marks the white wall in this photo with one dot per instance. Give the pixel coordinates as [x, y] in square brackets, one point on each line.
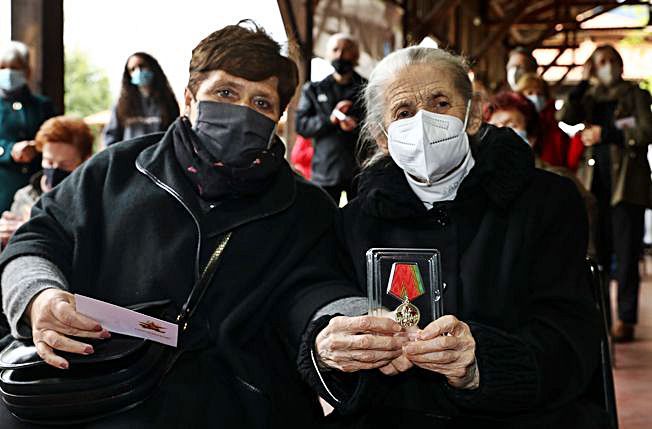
[110, 30]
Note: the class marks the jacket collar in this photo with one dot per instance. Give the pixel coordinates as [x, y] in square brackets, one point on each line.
[159, 163]
[504, 167]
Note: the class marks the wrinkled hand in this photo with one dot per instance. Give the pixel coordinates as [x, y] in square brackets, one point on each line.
[401, 363]
[591, 135]
[9, 223]
[53, 318]
[446, 346]
[355, 343]
[23, 152]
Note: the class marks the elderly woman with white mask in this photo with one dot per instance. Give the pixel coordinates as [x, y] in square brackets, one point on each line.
[519, 341]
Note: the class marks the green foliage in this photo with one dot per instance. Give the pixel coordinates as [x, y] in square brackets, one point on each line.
[646, 84]
[86, 86]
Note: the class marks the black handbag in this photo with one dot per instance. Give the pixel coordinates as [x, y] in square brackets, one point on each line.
[121, 373]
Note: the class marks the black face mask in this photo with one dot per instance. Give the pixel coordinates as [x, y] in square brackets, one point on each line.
[342, 66]
[238, 166]
[54, 176]
[232, 134]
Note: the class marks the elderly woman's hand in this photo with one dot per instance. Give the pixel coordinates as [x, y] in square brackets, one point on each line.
[446, 346]
[53, 316]
[354, 343]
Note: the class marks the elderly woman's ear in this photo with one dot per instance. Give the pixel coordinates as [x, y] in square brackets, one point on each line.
[475, 115]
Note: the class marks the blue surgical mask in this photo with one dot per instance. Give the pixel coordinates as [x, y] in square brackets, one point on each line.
[539, 101]
[142, 77]
[11, 80]
[522, 134]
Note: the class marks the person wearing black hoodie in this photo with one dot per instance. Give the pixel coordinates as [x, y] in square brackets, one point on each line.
[139, 222]
[520, 339]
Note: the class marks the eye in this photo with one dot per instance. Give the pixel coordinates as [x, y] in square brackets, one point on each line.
[442, 104]
[403, 113]
[225, 93]
[262, 104]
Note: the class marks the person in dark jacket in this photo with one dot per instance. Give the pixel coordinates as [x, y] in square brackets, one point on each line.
[520, 340]
[614, 167]
[65, 142]
[139, 221]
[329, 112]
[146, 104]
[21, 115]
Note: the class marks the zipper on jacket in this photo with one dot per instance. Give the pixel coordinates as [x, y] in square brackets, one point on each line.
[176, 196]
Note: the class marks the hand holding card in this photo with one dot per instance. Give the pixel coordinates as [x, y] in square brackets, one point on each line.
[128, 322]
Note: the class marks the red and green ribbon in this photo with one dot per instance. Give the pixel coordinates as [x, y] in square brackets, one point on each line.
[405, 281]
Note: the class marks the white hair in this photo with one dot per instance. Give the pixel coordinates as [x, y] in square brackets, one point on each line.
[341, 36]
[385, 72]
[15, 50]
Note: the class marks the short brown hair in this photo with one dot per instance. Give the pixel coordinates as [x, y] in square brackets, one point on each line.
[66, 129]
[249, 53]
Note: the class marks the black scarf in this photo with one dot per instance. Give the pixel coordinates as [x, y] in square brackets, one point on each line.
[214, 180]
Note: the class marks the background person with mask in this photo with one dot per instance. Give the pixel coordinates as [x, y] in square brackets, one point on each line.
[329, 112]
[21, 115]
[519, 62]
[513, 110]
[146, 104]
[615, 169]
[65, 143]
[552, 143]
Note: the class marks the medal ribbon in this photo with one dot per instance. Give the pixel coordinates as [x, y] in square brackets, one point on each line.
[405, 281]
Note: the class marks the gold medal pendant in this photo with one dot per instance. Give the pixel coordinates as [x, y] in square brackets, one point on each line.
[407, 314]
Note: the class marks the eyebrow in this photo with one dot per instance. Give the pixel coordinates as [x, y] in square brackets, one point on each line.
[437, 94]
[227, 82]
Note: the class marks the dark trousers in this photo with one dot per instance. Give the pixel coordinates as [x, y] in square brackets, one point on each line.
[336, 191]
[628, 227]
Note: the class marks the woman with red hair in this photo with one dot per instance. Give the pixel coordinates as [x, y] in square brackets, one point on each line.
[513, 110]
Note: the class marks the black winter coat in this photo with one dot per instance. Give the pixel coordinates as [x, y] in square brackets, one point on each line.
[513, 245]
[126, 227]
[334, 161]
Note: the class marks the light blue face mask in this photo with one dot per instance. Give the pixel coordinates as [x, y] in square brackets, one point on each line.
[539, 101]
[142, 77]
[11, 80]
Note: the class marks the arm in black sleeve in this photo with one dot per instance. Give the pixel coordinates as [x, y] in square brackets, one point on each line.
[612, 135]
[640, 136]
[311, 121]
[113, 132]
[573, 111]
[551, 358]
[63, 220]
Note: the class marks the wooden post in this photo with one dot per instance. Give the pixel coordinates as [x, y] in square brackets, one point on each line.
[39, 24]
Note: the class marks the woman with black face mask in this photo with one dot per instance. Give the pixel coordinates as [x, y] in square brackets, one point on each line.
[65, 142]
[615, 168]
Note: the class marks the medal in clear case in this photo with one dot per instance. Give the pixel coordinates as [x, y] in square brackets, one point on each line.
[407, 282]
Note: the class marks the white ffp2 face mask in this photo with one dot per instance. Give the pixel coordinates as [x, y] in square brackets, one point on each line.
[11, 80]
[428, 145]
